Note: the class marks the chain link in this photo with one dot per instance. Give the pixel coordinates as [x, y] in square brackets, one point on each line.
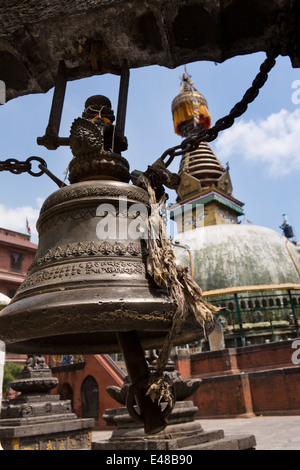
[208, 135]
[188, 145]
[16, 167]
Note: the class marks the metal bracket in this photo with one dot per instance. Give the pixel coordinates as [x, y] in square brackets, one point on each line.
[123, 96]
[51, 139]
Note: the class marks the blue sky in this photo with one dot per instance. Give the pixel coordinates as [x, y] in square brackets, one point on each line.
[263, 146]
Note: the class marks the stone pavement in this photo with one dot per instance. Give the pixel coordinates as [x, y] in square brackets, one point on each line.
[271, 432]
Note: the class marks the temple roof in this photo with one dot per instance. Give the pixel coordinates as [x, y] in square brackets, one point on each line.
[203, 164]
[16, 239]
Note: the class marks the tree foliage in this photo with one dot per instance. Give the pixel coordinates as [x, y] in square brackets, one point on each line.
[11, 372]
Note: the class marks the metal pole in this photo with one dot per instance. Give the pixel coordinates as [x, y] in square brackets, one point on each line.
[51, 140]
[294, 313]
[239, 319]
[185, 247]
[272, 330]
[123, 94]
[2, 361]
[58, 100]
[234, 335]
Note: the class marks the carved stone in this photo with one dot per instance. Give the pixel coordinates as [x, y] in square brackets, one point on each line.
[37, 420]
[183, 430]
[216, 339]
[183, 388]
[95, 36]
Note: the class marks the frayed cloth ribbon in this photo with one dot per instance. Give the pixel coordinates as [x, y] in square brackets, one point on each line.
[174, 279]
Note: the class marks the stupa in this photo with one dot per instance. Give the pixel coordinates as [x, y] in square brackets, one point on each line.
[225, 255]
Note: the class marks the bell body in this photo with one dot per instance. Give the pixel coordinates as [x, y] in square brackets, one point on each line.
[88, 280]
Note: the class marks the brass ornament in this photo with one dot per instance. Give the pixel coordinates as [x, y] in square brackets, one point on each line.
[84, 286]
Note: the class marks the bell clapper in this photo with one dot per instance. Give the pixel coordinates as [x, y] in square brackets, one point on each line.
[150, 412]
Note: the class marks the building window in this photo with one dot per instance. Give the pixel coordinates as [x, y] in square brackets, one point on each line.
[90, 398]
[16, 262]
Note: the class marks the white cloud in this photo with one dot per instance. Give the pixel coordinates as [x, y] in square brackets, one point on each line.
[15, 218]
[274, 141]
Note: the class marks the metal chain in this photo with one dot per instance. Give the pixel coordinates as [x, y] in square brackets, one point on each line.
[16, 167]
[188, 145]
[208, 135]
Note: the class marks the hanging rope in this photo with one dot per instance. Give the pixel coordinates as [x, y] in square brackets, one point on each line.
[174, 279]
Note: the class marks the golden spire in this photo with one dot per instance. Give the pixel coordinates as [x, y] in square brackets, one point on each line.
[189, 107]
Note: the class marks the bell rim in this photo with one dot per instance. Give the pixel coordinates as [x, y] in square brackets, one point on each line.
[62, 344]
[49, 329]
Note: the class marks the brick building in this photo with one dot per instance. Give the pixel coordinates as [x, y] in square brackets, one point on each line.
[16, 255]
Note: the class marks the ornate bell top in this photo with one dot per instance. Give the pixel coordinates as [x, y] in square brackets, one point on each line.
[97, 108]
[96, 144]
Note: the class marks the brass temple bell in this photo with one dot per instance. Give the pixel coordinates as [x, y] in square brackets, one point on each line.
[86, 282]
[87, 291]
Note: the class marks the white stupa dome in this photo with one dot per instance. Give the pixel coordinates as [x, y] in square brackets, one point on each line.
[230, 255]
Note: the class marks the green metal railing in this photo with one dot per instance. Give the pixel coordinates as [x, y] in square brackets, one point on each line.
[253, 317]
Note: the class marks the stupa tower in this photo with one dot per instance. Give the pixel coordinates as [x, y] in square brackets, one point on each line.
[204, 180]
[224, 253]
